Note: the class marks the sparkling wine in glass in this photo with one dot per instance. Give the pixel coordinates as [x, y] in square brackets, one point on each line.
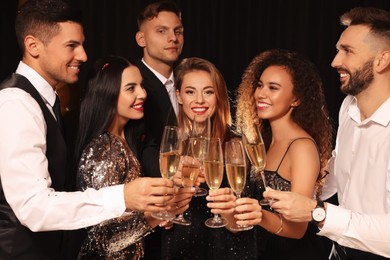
[213, 169]
[169, 161]
[189, 167]
[200, 132]
[255, 149]
[235, 161]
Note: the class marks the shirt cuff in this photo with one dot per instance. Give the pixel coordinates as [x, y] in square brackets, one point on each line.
[114, 200]
[337, 220]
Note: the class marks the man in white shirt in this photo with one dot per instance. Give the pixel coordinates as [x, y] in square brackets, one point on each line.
[360, 172]
[33, 197]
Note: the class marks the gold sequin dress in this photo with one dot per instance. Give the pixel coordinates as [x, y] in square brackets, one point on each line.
[106, 161]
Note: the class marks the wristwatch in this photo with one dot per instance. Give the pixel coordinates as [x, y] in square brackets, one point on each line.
[318, 214]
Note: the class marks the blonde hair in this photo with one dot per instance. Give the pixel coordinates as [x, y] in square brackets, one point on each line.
[221, 120]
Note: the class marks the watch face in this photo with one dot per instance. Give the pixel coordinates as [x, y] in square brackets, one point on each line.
[319, 214]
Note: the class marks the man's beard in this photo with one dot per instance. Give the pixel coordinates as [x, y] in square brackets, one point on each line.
[360, 79]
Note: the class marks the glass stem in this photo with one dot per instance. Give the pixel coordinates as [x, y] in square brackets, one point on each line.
[216, 218]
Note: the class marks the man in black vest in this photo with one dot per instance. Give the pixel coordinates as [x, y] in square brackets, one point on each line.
[34, 203]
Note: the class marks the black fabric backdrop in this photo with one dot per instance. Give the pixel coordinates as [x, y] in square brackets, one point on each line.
[228, 33]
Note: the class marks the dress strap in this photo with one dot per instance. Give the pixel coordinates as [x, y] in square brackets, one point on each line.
[277, 169]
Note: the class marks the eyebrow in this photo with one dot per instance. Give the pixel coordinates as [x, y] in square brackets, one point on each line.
[73, 42]
[130, 84]
[192, 87]
[270, 83]
[344, 46]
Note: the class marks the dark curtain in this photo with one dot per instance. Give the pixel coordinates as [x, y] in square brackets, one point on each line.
[228, 33]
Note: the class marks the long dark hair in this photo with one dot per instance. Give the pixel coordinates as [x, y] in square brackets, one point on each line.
[99, 104]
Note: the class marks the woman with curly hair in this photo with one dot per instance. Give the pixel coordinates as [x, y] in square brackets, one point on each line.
[281, 93]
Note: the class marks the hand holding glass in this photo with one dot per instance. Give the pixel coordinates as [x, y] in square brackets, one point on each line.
[169, 161]
[213, 169]
[235, 161]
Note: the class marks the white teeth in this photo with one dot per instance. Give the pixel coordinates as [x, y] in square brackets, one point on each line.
[342, 75]
[262, 105]
[74, 67]
[199, 109]
[138, 106]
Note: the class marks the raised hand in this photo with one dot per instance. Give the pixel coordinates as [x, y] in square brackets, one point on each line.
[221, 201]
[293, 206]
[248, 211]
[149, 194]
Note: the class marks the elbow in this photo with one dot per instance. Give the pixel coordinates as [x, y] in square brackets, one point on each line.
[299, 232]
[31, 224]
[31, 220]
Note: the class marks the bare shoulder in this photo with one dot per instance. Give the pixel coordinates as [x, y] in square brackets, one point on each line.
[304, 147]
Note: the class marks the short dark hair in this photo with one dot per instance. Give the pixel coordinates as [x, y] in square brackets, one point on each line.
[378, 20]
[40, 18]
[152, 10]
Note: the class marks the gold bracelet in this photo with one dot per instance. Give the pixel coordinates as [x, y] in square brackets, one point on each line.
[281, 225]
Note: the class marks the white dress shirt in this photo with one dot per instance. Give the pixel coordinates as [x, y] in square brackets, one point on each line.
[362, 174]
[169, 85]
[24, 167]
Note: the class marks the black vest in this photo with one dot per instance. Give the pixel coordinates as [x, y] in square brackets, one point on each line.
[16, 240]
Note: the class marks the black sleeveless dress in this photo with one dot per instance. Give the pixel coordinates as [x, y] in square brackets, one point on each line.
[310, 246]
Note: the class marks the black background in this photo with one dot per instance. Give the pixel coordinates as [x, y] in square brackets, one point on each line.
[228, 33]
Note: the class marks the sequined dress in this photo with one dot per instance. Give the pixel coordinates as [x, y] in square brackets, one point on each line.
[106, 161]
[309, 247]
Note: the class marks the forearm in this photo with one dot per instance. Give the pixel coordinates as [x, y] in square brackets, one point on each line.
[277, 224]
[366, 232]
[49, 210]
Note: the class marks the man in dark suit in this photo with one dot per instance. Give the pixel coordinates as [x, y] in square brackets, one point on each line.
[161, 37]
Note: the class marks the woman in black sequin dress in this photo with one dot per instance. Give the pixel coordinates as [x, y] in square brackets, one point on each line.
[114, 98]
[201, 91]
[281, 91]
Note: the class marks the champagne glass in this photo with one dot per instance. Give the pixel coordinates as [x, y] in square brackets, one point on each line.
[255, 149]
[213, 169]
[200, 132]
[235, 161]
[169, 161]
[189, 167]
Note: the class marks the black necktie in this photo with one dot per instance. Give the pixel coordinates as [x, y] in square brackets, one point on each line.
[57, 113]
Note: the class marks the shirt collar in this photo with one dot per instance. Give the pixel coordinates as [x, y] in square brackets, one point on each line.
[158, 75]
[39, 83]
[380, 116]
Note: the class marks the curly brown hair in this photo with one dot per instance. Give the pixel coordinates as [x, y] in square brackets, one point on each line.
[312, 114]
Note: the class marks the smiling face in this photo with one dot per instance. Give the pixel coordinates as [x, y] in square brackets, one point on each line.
[131, 96]
[162, 38]
[274, 94]
[60, 58]
[197, 95]
[354, 59]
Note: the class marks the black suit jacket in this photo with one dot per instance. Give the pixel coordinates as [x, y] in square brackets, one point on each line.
[158, 113]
